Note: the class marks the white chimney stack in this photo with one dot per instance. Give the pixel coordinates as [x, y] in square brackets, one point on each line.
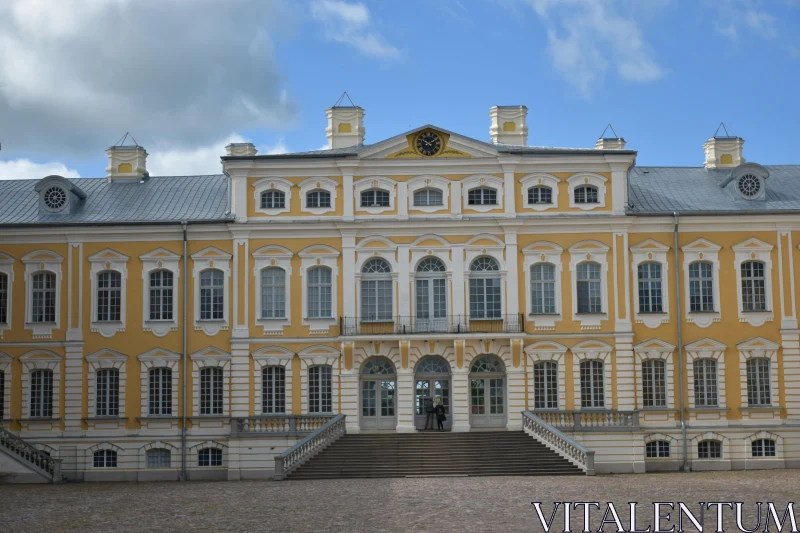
[241, 149]
[509, 125]
[610, 143]
[345, 126]
[126, 163]
[724, 152]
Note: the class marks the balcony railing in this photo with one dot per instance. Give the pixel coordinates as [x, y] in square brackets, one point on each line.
[584, 421]
[277, 425]
[414, 325]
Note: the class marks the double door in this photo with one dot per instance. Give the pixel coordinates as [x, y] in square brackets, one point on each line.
[378, 402]
[487, 402]
[435, 389]
[431, 308]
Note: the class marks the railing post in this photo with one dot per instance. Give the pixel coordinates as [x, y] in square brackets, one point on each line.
[590, 463]
[278, 474]
[576, 421]
[292, 425]
[57, 471]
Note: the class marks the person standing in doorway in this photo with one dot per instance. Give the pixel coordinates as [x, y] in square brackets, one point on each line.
[440, 414]
[429, 413]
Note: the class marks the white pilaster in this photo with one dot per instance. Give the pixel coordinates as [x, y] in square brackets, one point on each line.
[790, 348]
[347, 192]
[460, 400]
[455, 199]
[73, 388]
[512, 278]
[405, 400]
[458, 280]
[402, 200]
[508, 190]
[348, 273]
[349, 390]
[516, 397]
[626, 391]
[240, 378]
[403, 281]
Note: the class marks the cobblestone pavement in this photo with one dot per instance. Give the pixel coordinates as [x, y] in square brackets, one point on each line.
[496, 504]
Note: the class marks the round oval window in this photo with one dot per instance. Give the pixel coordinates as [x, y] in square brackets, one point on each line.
[749, 185]
[55, 198]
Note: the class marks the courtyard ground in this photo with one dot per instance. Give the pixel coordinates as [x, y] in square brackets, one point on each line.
[498, 504]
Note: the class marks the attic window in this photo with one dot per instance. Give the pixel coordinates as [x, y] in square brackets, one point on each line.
[749, 186]
[55, 198]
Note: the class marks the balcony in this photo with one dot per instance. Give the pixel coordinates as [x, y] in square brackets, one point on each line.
[450, 324]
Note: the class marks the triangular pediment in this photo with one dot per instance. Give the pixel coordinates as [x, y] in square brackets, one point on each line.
[318, 250]
[589, 246]
[43, 256]
[545, 347]
[705, 344]
[651, 345]
[758, 343]
[108, 255]
[106, 355]
[159, 254]
[752, 244]
[211, 352]
[701, 245]
[542, 247]
[272, 250]
[159, 354]
[212, 252]
[650, 245]
[455, 145]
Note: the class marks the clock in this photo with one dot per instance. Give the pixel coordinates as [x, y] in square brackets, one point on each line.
[428, 143]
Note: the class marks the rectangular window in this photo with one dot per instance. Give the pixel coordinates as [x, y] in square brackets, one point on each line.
[211, 391]
[319, 293]
[482, 196]
[109, 296]
[657, 449]
[159, 458]
[273, 293]
[160, 398]
[376, 300]
[209, 457]
[754, 294]
[105, 459]
[212, 295]
[590, 294]
[592, 385]
[763, 448]
[709, 449]
[705, 383]
[43, 297]
[540, 195]
[375, 198]
[545, 385]
[650, 297]
[161, 295]
[701, 287]
[318, 199]
[654, 389]
[758, 382]
[485, 298]
[273, 390]
[586, 194]
[273, 200]
[428, 197]
[3, 299]
[543, 289]
[107, 392]
[320, 395]
[41, 394]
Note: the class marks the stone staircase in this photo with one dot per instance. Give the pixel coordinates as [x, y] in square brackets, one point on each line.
[485, 453]
[20, 462]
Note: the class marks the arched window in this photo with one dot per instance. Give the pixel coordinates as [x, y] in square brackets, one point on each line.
[378, 366]
[107, 392]
[41, 394]
[433, 365]
[487, 363]
[273, 200]
[428, 197]
[160, 392]
[43, 297]
[318, 198]
[431, 289]
[161, 294]
[273, 293]
[320, 389]
[592, 385]
[763, 448]
[701, 287]
[482, 196]
[273, 389]
[3, 298]
[586, 194]
[375, 198]
[590, 294]
[209, 457]
[709, 449]
[159, 458]
[109, 296]
[545, 385]
[543, 289]
[319, 292]
[212, 295]
[758, 382]
[650, 296]
[484, 289]
[540, 194]
[376, 290]
[705, 383]
[657, 449]
[105, 459]
[211, 391]
[754, 295]
[654, 383]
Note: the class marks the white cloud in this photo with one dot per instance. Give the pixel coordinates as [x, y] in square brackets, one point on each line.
[349, 23]
[77, 74]
[731, 15]
[588, 37]
[25, 169]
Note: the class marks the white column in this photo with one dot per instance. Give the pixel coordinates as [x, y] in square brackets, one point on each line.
[455, 199]
[512, 276]
[347, 192]
[508, 188]
[460, 400]
[790, 348]
[403, 281]
[402, 200]
[349, 388]
[405, 400]
[516, 397]
[458, 280]
[73, 389]
[240, 378]
[349, 274]
[626, 393]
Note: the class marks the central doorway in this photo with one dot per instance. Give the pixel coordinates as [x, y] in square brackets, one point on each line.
[487, 393]
[378, 395]
[432, 380]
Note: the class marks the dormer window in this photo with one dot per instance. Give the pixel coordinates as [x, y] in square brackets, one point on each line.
[55, 198]
[58, 195]
[748, 186]
[749, 182]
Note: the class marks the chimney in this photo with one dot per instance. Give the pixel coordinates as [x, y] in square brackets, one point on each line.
[345, 124]
[241, 149]
[606, 142]
[509, 125]
[126, 162]
[724, 151]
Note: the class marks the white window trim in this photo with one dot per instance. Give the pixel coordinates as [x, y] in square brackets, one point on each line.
[429, 182]
[205, 259]
[272, 356]
[582, 252]
[104, 446]
[674, 451]
[702, 250]
[42, 261]
[534, 254]
[272, 184]
[280, 257]
[108, 260]
[585, 178]
[312, 256]
[193, 462]
[5, 368]
[418, 254]
[158, 358]
[754, 250]
[388, 253]
[375, 182]
[650, 251]
[533, 180]
[160, 259]
[311, 184]
[315, 356]
[710, 435]
[706, 349]
[7, 268]
[547, 351]
[654, 350]
[211, 358]
[478, 181]
[41, 360]
[174, 454]
[759, 347]
[763, 435]
[474, 251]
[588, 351]
[103, 359]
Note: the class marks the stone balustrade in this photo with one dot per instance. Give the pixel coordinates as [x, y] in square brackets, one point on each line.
[584, 421]
[557, 441]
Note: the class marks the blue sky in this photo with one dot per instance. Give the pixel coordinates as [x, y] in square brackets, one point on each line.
[75, 76]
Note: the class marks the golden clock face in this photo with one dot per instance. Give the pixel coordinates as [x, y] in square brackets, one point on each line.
[428, 143]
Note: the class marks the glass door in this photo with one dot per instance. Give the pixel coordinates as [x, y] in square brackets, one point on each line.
[487, 402]
[431, 308]
[435, 389]
[376, 415]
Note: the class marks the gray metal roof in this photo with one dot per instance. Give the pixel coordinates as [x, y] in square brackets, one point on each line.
[698, 189]
[158, 200]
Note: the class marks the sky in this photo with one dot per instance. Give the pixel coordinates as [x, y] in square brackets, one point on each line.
[185, 77]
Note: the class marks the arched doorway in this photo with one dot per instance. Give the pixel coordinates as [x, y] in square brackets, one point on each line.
[487, 393]
[432, 380]
[378, 388]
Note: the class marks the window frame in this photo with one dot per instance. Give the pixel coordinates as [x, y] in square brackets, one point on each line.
[754, 250]
[6, 302]
[540, 180]
[322, 184]
[418, 183]
[486, 181]
[103, 360]
[158, 358]
[214, 457]
[590, 281]
[311, 257]
[273, 397]
[320, 389]
[153, 452]
[696, 251]
[594, 252]
[211, 391]
[550, 385]
[272, 184]
[759, 386]
[105, 458]
[106, 400]
[705, 349]
[31, 362]
[376, 284]
[383, 183]
[272, 196]
[103, 262]
[42, 261]
[428, 191]
[481, 196]
[763, 448]
[277, 292]
[273, 256]
[376, 193]
[534, 283]
[591, 350]
[42, 384]
[160, 259]
[587, 179]
[272, 356]
[715, 447]
[533, 254]
[651, 251]
[5, 386]
[208, 259]
[165, 393]
[658, 452]
[596, 399]
[760, 348]
[485, 276]
[202, 360]
[319, 194]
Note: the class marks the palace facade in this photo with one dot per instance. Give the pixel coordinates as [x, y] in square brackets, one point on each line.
[152, 325]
